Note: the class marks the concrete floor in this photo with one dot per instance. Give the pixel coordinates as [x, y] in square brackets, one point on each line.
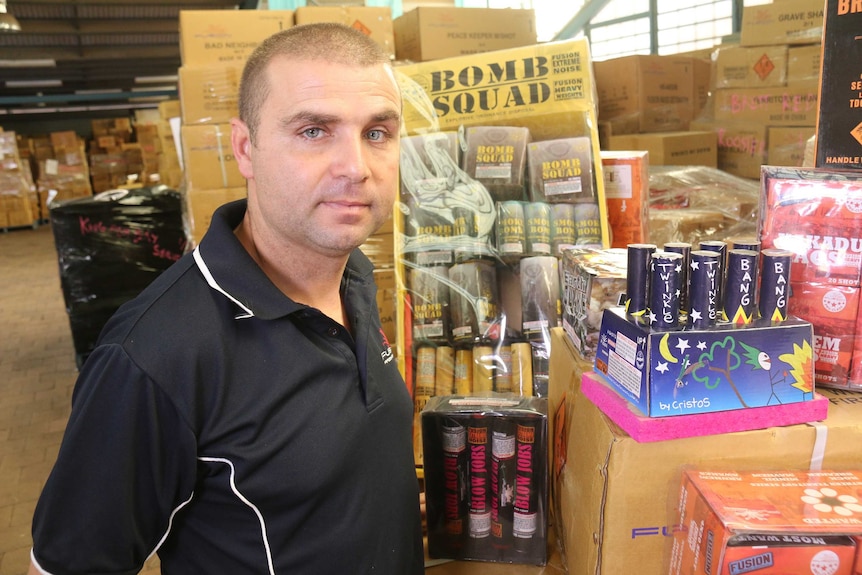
[37, 373]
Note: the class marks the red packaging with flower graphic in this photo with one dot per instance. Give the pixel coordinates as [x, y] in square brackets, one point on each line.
[788, 522]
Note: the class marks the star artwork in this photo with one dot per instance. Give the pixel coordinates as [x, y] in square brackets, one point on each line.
[701, 345]
[652, 317]
[662, 367]
[696, 315]
[695, 265]
[682, 345]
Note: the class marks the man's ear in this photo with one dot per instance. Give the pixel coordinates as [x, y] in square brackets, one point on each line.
[241, 144]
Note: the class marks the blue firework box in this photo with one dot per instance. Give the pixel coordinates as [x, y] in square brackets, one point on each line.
[720, 368]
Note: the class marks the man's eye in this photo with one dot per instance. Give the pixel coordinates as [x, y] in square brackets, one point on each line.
[313, 132]
[376, 135]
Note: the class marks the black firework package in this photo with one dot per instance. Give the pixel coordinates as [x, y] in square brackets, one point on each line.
[486, 479]
[500, 173]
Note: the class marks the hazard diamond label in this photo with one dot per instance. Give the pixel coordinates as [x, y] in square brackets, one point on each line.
[764, 67]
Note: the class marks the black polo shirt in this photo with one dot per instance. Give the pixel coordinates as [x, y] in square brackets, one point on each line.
[235, 431]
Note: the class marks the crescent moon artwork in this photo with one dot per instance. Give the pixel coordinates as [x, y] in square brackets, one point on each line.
[665, 350]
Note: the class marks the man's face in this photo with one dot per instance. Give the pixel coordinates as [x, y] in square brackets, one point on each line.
[323, 171]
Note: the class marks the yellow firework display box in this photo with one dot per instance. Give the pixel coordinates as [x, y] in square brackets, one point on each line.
[500, 171]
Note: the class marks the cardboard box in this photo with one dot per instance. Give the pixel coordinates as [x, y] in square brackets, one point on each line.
[431, 32]
[227, 36]
[839, 121]
[209, 94]
[200, 205]
[750, 67]
[646, 93]
[627, 196]
[208, 157]
[486, 478]
[772, 521]
[803, 63]
[787, 145]
[784, 22]
[794, 105]
[703, 84]
[373, 21]
[666, 373]
[611, 495]
[698, 148]
[741, 147]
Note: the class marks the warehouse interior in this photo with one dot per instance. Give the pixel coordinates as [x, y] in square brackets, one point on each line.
[715, 122]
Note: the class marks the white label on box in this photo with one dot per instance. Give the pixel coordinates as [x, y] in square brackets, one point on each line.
[52, 167]
[626, 348]
[625, 374]
[618, 182]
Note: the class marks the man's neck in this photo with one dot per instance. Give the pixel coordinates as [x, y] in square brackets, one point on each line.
[313, 281]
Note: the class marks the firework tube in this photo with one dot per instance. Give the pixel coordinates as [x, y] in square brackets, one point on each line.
[502, 481]
[503, 377]
[719, 247]
[509, 228]
[664, 289]
[740, 287]
[454, 439]
[479, 504]
[637, 277]
[522, 369]
[444, 374]
[537, 216]
[703, 297]
[525, 516]
[774, 283]
[563, 234]
[683, 248]
[483, 369]
[464, 371]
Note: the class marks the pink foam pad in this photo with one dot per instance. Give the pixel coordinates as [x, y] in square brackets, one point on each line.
[645, 429]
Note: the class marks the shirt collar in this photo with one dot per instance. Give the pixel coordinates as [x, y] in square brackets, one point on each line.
[230, 270]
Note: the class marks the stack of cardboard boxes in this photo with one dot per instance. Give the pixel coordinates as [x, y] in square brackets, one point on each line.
[214, 45]
[765, 98]
[18, 203]
[649, 102]
[63, 173]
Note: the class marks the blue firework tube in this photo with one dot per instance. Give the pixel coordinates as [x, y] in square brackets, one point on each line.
[664, 289]
[637, 277]
[683, 248]
[719, 247]
[744, 243]
[774, 283]
[740, 287]
[703, 296]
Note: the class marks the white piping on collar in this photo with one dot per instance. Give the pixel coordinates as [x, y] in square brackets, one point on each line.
[199, 259]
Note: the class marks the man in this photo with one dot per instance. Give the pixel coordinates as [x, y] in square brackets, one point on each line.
[245, 414]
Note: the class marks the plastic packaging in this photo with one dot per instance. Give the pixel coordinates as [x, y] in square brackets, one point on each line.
[111, 246]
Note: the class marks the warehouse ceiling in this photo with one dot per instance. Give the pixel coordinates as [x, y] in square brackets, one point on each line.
[84, 54]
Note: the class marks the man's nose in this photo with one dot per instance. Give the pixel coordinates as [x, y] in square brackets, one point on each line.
[352, 159]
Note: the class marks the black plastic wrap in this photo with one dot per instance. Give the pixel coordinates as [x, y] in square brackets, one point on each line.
[111, 246]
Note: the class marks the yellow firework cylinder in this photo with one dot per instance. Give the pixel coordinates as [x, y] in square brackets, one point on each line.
[522, 369]
[444, 377]
[483, 369]
[464, 371]
[426, 360]
[503, 379]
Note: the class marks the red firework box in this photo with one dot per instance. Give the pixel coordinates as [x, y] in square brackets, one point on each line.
[787, 522]
[856, 365]
[486, 478]
[816, 213]
[833, 310]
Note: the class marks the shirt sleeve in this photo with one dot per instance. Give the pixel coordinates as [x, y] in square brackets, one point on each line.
[126, 463]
